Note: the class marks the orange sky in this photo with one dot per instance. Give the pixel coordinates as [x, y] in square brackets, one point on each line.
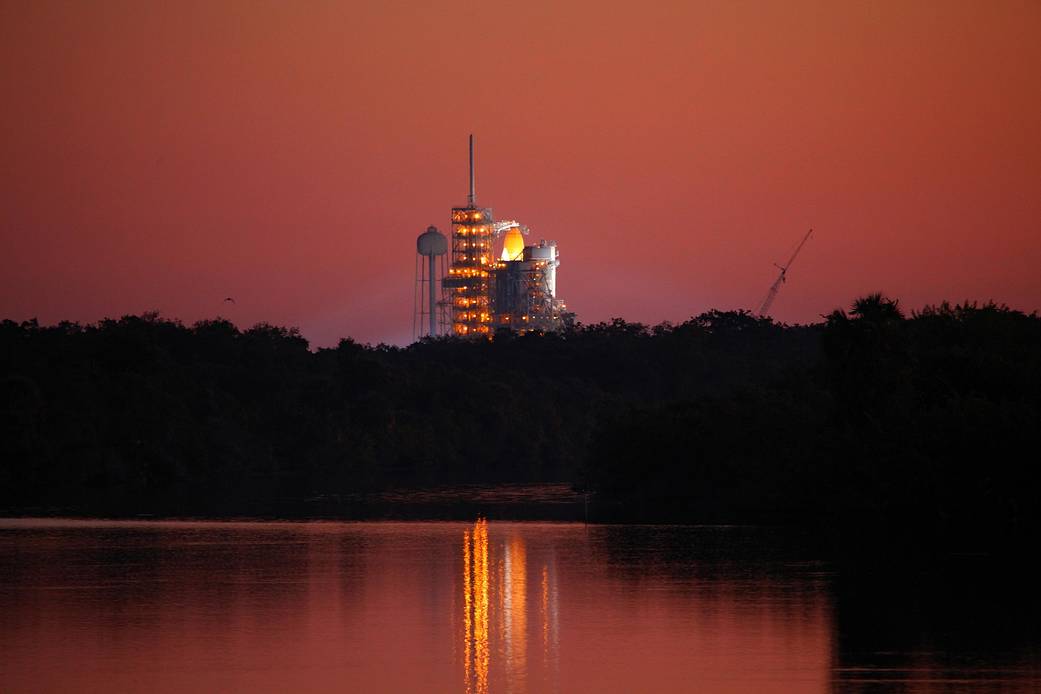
[163, 156]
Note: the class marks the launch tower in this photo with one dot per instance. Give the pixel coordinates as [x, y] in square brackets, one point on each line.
[469, 275]
[517, 290]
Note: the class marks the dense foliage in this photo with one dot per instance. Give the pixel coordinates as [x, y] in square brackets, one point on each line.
[146, 413]
[907, 429]
[869, 418]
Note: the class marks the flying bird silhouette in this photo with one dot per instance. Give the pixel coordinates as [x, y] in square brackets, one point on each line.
[228, 298]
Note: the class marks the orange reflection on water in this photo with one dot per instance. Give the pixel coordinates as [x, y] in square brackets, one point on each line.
[467, 609]
[495, 612]
[516, 591]
[545, 613]
[475, 608]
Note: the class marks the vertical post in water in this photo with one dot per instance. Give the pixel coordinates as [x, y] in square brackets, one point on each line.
[433, 277]
[473, 195]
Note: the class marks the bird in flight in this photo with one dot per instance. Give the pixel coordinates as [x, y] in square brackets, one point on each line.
[228, 298]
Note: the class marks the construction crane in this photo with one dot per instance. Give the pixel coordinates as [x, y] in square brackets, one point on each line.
[772, 294]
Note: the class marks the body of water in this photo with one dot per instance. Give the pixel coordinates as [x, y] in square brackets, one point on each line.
[478, 607]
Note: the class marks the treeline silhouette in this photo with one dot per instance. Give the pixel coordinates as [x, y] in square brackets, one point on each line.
[869, 419]
[907, 429]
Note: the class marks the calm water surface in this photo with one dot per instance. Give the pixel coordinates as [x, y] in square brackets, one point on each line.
[479, 607]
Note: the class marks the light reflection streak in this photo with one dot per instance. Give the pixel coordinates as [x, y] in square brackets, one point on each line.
[495, 611]
[475, 608]
[517, 618]
[467, 609]
[481, 621]
[544, 612]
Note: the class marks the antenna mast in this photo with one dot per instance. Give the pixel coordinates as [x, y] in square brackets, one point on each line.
[473, 192]
[772, 294]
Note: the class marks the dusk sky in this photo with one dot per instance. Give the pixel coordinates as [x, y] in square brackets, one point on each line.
[164, 156]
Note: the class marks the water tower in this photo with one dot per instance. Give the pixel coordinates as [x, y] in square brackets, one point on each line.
[428, 317]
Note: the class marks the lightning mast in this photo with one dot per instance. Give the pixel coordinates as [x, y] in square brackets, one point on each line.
[764, 309]
[472, 197]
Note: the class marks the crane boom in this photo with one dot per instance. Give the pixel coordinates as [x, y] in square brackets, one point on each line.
[799, 248]
[764, 309]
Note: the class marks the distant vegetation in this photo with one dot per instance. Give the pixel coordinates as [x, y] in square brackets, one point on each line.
[870, 421]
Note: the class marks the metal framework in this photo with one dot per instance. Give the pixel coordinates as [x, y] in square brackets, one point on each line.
[523, 298]
[469, 276]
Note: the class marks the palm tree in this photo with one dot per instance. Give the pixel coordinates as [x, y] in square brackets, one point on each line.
[877, 308]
